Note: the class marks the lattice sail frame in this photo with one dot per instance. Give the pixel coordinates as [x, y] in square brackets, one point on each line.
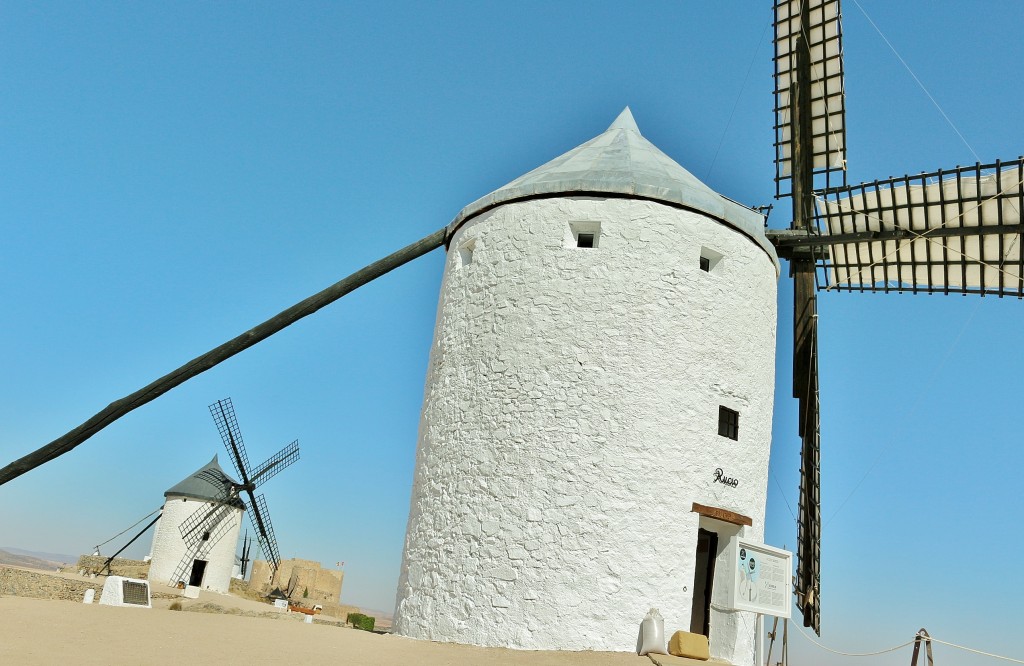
[824, 34]
[947, 231]
[223, 413]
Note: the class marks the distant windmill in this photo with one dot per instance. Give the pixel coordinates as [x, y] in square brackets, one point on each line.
[948, 231]
[196, 546]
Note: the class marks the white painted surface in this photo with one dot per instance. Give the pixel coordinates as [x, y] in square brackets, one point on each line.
[90, 595]
[169, 548]
[570, 421]
[113, 592]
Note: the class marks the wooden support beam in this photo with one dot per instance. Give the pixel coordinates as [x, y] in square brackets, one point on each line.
[722, 514]
[200, 364]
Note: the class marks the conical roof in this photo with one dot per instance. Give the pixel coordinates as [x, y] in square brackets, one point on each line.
[621, 162]
[209, 483]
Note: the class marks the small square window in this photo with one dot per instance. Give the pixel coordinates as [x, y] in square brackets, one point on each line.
[466, 253]
[586, 234]
[728, 423]
[710, 260]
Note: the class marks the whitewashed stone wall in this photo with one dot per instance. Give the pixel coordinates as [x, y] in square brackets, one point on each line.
[169, 548]
[570, 420]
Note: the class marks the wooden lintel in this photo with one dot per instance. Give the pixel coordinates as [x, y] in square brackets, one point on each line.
[722, 514]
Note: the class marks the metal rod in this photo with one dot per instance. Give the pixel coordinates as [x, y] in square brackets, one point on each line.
[106, 565]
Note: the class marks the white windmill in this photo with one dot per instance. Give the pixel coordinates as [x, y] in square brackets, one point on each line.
[597, 415]
[197, 534]
[195, 538]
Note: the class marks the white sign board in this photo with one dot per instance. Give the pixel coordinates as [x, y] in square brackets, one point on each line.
[760, 578]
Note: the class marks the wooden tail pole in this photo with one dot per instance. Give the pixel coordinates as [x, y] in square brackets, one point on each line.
[200, 364]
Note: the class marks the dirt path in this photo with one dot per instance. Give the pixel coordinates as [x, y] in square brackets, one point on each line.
[38, 631]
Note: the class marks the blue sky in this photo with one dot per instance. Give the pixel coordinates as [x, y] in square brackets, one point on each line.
[176, 173]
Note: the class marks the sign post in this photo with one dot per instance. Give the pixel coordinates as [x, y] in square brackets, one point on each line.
[759, 580]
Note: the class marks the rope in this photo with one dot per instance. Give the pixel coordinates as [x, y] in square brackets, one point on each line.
[739, 96]
[783, 493]
[853, 654]
[987, 654]
[900, 58]
[923, 639]
[125, 530]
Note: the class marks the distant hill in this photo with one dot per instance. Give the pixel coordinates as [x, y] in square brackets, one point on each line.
[19, 557]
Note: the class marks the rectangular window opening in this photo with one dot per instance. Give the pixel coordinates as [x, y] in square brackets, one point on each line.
[728, 422]
[466, 253]
[586, 234]
[710, 260]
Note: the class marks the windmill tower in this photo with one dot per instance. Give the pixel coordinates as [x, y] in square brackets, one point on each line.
[597, 409]
[198, 530]
[197, 534]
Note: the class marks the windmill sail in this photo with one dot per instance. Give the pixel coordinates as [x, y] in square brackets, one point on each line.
[818, 24]
[955, 231]
[265, 533]
[810, 145]
[275, 464]
[227, 425]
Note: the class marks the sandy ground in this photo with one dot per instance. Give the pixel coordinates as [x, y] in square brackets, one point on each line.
[37, 631]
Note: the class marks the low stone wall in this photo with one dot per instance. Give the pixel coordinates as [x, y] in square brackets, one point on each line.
[118, 567]
[339, 611]
[22, 583]
[39, 585]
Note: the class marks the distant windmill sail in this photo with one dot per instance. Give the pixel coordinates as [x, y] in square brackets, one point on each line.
[223, 413]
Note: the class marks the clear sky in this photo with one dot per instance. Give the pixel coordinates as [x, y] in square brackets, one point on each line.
[174, 173]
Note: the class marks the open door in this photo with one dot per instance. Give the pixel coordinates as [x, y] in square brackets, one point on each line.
[703, 577]
[198, 569]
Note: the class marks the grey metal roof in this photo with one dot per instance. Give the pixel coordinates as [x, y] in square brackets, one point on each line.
[209, 483]
[621, 162]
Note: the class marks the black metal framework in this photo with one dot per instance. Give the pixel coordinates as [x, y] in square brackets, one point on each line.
[227, 425]
[947, 231]
[728, 422]
[820, 26]
[223, 413]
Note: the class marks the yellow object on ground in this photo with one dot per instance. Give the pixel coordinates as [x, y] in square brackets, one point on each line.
[685, 644]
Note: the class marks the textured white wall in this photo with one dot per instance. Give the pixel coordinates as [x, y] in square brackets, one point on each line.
[169, 548]
[570, 420]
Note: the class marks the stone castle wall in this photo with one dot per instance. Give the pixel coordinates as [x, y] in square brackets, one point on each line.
[305, 580]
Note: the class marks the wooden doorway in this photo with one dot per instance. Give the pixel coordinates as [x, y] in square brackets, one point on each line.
[703, 577]
[198, 569]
